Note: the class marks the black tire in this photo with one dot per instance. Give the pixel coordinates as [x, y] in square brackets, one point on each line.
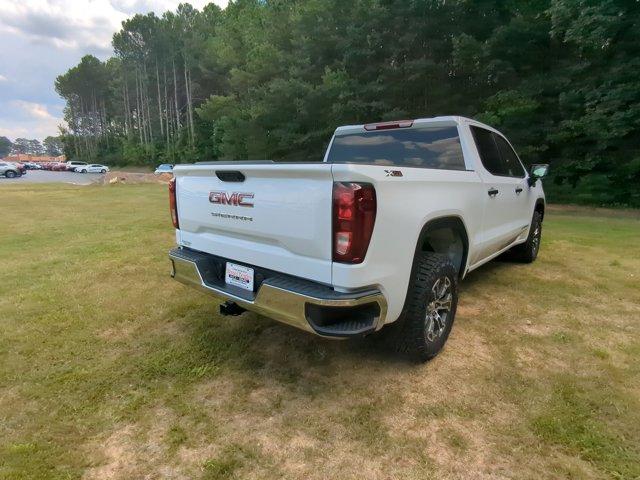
[83, 171]
[413, 332]
[10, 174]
[103, 171]
[527, 252]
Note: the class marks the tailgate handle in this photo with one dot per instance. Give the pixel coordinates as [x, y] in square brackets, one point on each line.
[230, 175]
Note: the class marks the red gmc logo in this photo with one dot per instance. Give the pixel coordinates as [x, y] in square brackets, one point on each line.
[237, 199]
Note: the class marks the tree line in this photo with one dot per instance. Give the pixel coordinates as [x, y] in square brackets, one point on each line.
[51, 146]
[272, 79]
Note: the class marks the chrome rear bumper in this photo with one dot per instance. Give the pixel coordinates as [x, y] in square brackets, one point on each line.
[301, 303]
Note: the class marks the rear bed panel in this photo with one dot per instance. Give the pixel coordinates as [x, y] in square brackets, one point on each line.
[287, 228]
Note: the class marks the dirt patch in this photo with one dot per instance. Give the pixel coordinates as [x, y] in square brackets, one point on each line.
[119, 453]
[133, 451]
[135, 177]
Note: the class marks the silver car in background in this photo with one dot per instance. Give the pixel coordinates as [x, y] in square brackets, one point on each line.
[164, 168]
[9, 170]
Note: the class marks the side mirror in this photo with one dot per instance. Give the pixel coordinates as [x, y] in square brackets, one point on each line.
[537, 171]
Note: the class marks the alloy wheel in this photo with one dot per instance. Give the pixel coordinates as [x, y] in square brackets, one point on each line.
[438, 309]
[535, 241]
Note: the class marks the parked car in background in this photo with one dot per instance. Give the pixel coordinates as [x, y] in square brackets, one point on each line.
[164, 168]
[47, 166]
[72, 165]
[59, 167]
[10, 170]
[93, 168]
[21, 167]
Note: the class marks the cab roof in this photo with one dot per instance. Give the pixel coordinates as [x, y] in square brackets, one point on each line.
[441, 120]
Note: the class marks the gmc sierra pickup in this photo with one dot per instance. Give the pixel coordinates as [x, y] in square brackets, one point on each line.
[378, 235]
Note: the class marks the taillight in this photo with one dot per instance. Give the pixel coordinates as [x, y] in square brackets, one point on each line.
[173, 205]
[354, 214]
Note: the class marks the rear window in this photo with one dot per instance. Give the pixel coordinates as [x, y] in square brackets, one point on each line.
[423, 147]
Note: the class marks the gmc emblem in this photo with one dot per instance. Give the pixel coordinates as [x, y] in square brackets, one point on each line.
[237, 199]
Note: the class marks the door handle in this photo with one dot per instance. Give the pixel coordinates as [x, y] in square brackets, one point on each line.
[493, 192]
[518, 190]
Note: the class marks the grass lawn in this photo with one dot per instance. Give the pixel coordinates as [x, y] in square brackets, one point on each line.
[110, 369]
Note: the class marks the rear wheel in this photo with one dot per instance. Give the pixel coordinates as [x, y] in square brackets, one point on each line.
[527, 252]
[84, 170]
[430, 308]
[10, 174]
[103, 171]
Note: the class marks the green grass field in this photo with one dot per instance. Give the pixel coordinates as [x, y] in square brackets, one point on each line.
[110, 369]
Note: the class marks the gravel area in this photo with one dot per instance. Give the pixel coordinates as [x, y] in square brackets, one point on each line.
[42, 176]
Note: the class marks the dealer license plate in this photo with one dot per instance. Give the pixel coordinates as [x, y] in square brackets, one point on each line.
[239, 276]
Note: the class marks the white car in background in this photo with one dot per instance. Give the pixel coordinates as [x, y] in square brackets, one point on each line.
[74, 165]
[93, 168]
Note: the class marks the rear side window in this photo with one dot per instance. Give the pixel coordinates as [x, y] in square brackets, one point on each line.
[422, 147]
[496, 154]
[489, 153]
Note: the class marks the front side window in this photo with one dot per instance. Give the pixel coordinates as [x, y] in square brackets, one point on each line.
[509, 157]
[422, 146]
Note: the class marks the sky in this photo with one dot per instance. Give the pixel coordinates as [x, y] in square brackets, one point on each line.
[41, 39]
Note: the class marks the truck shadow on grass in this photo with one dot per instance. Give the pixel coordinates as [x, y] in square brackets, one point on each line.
[484, 274]
[254, 344]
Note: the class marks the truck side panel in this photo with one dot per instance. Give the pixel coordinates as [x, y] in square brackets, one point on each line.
[405, 205]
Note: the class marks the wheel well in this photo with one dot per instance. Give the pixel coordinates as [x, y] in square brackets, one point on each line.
[540, 208]
[446, 235]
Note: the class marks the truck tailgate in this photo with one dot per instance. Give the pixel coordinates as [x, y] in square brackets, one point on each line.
[278, 217]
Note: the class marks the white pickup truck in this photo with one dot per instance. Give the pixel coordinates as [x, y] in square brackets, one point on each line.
[377, 235]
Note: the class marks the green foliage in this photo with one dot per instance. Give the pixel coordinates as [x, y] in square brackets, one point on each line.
[561, 78]
[53, 146]
[5, 146]
[27, 146]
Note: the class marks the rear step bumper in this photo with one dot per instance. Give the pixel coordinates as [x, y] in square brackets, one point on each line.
[301, 303]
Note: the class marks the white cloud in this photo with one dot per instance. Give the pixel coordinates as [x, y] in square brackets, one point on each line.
[63, 23]
[41, 39]
[32, 109]
[39, 129]
[88, 25]
[28, 119]
[158, 6]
